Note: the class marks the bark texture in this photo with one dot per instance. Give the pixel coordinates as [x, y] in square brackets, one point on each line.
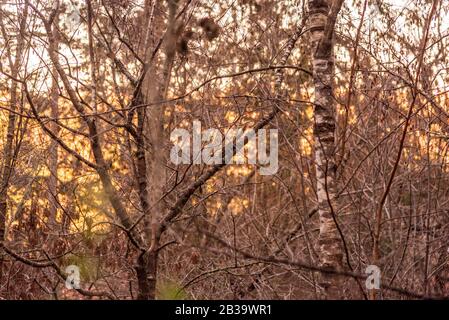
[53, 149]
[151, 155]
[321, 24]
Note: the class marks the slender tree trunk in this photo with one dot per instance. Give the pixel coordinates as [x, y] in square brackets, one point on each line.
[155, 157]
[320, 21]
[53, 149]
[146, 270]
[8, 151]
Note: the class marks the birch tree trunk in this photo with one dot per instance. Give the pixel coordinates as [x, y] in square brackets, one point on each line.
[321, 24]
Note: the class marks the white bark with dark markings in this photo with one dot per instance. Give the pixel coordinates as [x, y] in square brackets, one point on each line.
[321, 23]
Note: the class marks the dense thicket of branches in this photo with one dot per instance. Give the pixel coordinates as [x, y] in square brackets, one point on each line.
[91, 90]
